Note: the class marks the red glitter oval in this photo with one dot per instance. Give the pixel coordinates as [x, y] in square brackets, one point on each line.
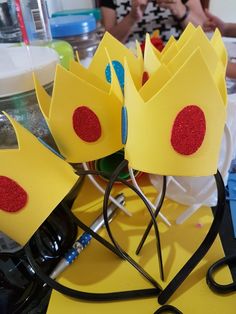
[12, 196]
[188, 130]
[86, 124]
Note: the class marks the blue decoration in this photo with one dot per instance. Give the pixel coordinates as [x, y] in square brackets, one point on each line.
[232, 199]
[124, 123]
[119, 69]
[71, 255]
[85, 239]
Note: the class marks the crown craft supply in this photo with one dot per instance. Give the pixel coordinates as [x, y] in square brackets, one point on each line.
[84, 112]
[83, 119]
[33, 181]
[117, 52]
[172, 125]
[176, 120]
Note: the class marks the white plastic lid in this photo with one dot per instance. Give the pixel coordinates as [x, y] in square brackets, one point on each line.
[18, 63]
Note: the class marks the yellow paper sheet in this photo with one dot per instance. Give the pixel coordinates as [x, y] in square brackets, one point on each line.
[98, 270]
[44, 176]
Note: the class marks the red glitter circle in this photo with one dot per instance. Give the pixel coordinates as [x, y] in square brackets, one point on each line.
[145, 77]
[188, 130]
[86, 124]
[12, 196]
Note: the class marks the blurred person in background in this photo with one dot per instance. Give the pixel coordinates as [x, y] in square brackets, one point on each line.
[227, 30]
[128, 20]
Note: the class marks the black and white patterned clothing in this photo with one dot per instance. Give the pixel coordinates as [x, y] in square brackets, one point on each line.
[154, 18]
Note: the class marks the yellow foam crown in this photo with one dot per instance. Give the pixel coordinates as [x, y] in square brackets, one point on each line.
[97, 91]
[176, 120]
[44, 177]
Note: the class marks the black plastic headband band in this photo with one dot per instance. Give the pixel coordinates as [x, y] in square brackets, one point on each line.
[204, 246]
[110, 184]
[110, 296]
[158, 208]
[119, 249]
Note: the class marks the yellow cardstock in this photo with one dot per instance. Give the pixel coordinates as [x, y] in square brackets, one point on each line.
[190, 72]
[71, 92]
[117, 52]
[83, 73]
[170, 53]
[98, 270]
[155, 82]
[148, 147]
[219, 47]
[168, 45]
[44, 176]
[198, 39]
[186, 35]
[151, 58]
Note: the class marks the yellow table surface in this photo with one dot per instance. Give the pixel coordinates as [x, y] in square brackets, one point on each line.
[99, 270]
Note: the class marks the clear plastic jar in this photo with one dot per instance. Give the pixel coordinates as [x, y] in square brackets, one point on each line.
[95, 12]
[9, 28]
[17, 94]
[80, 31]
[23, 108]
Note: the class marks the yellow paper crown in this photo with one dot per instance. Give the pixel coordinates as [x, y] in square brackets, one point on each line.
[83, 119]
[175, 121]
[33, 181]
[176, 52]
[171, 119]
[84, 113]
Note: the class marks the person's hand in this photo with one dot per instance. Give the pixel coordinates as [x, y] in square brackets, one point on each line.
[231, 70]
[176, 7]
[137, 9]
[213, 22]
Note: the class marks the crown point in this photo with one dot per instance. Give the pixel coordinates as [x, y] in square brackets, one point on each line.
[86, 124]
[12, 196]
[188, 130]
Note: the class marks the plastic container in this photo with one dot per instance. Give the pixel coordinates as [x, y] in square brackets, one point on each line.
[17, 94]
[9, 28]
[33, 20]
[96, 13]
[79, 31]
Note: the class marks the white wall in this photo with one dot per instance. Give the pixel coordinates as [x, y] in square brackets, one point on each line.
[225, 9]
